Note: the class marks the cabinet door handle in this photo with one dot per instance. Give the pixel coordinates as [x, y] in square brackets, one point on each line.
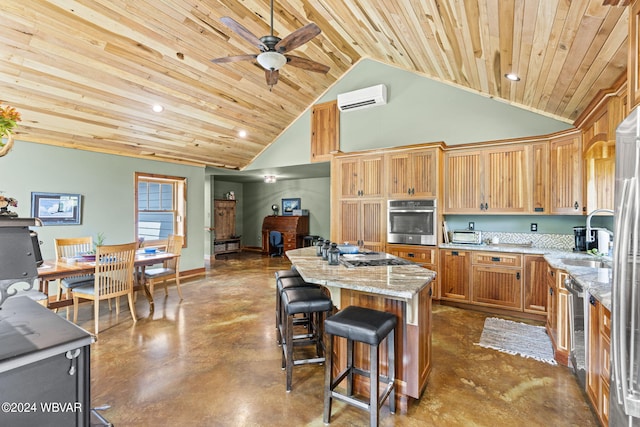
[551, 291]
[518, 276]
[410, 255]
[576, 206]
[495, 259]
[454, 253]
[592, 300]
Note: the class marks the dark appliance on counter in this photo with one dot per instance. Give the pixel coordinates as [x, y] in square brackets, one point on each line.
[580, 236]
[412, 222]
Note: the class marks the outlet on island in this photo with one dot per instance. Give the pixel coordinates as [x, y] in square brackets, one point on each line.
[534, 226]
[472, 225]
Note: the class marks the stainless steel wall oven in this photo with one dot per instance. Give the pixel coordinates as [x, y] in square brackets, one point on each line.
[412, 222]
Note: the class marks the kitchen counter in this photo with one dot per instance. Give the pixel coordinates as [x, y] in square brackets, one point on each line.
[596, 281]
[404, 290]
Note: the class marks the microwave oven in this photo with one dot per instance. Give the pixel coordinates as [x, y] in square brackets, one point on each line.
[412, 222]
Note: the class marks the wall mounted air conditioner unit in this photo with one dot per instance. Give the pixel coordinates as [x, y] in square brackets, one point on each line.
[363, 98]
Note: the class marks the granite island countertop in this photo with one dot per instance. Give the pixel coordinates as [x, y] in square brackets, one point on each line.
[596, 281]
[395, 281]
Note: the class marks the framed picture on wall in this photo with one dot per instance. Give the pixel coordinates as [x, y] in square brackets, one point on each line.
[56, 208]
[288, 205]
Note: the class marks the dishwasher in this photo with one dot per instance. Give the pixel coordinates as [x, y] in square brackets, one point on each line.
[577, 328]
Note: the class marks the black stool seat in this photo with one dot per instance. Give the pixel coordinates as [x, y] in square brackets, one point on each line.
[305, 300]
[368, 326]
[361, 324]
[287, 283]
[315, 305]
[287, 273]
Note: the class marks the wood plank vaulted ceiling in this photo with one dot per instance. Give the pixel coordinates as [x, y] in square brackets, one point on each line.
[84, 73]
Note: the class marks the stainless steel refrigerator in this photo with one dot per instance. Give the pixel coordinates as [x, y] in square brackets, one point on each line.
[625, 309]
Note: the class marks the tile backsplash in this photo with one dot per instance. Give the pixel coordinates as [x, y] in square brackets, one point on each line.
[539, 240]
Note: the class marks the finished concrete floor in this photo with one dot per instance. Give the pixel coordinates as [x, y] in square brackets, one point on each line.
[212, 360]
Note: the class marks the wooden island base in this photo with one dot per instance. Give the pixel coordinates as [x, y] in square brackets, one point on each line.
[402, 290]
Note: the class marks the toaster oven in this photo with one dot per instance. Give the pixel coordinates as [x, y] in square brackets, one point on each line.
[471, 237]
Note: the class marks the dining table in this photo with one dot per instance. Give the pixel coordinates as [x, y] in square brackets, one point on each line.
[51, 270]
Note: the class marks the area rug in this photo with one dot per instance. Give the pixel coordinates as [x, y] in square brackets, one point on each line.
[517, 339]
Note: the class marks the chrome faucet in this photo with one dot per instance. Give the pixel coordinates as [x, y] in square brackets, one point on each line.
[588, 236]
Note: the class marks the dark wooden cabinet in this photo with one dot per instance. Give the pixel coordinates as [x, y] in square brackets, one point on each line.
[293, 229]
[225, 227]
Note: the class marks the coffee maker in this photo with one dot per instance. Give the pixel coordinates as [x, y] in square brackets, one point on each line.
[580, 236]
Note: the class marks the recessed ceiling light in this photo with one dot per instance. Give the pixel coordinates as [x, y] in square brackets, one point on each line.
[242, 133]
[157, 108]
[512, 77]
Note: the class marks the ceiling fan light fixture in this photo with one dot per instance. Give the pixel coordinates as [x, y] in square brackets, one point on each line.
[271, 60]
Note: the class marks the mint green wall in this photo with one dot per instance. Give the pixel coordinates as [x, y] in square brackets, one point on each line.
[419, 110]
[106, 183]
[313, 194]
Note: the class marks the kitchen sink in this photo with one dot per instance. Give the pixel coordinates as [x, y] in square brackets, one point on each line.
[580, 262]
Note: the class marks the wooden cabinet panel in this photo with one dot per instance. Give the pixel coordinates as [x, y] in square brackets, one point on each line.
[552, 304]
[599, 174]
[540, 177]
[564, 337]
[462, 181]
[224, 212]
[349, 221]
[413, 173]
[422, 255]
[360, 176]
[362, 222]
[566, 175]
[633, 65]
[593, 353]
[496, 286]
[507, 180]
[497, 259]
[454, 275]
[325, 131]
[535, 284]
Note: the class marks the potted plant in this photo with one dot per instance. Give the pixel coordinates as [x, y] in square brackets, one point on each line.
[9, 119]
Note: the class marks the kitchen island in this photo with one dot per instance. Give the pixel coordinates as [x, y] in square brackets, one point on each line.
[404, 290]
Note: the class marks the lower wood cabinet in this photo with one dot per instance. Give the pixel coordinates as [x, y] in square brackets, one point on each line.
[598, 359]
[454, 275]
[497, 279]
[425, 256]
[558, 327]
[535, 284]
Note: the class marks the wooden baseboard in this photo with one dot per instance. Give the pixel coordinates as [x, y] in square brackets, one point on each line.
[494, 310]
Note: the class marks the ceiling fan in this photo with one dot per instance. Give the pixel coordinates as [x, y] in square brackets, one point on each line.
[273, 50]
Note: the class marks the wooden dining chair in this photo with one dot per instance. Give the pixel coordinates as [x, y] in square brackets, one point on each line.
[113, 277]
[170, 269]
[71, 248]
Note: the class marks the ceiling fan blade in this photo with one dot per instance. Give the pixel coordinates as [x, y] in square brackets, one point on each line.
[272, 76]
[307, 64]
[243, 32]
[298, 38]
[234, 59]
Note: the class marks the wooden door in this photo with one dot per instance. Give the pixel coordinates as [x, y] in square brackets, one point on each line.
[497, 286]
[372, 224]
[633, 66]
[599, 174]
[454, 275]
[506, 171]
[552, 305]
[566, 175]
[462, 178]
[424, 173]
[225, 218]
[540, 177]
[593, 354]
[371, 172]
[348, 180]
[325, 131]
[349, 225]
[398, 170]
[535, 284]
[564, 337]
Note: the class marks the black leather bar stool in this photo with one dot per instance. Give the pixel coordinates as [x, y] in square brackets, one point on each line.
[287, 283]
[316, 305]
[370, 327]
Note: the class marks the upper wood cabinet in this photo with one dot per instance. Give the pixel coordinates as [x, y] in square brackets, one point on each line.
[633, 65]
[540, 177]
[495, 180]
[362, 222]
[413, 174]
[359, 176]
[566, 174]
[325, 131]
